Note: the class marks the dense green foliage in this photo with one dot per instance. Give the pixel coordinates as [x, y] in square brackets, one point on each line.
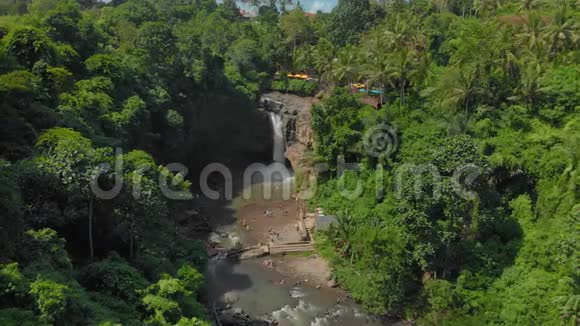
[296, 86]
[78, 79]
[484, 87]
[490, 87]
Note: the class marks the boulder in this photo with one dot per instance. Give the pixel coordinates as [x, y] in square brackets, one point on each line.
[332, 284]
[238, 311]
[255, 253]
[294, 154]
[304, 132]
[231, 297]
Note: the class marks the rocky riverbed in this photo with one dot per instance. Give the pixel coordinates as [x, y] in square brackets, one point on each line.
[298, 289]
[283, 290]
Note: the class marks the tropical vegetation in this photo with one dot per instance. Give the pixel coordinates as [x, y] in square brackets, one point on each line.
[461, 204]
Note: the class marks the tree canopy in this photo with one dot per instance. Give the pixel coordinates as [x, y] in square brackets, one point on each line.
[459, 121]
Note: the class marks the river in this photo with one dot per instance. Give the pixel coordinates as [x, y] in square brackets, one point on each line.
[255, 289]
[266, 288]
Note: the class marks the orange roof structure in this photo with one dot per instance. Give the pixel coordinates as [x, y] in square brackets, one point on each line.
[299, 76]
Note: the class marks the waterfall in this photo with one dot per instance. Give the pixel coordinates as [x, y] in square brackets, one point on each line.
[278, 137]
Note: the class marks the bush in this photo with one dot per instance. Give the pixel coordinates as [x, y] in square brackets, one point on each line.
[440, 295]
[296, 86]
[174, 119]
[28, 45]
[279, 85]
[51, 298]
[19, 317]
[561, 87]
[43, 249]
[302, 87]
[18, 82]
[153, 265]
[191, 277]
[191, 252]
[174, 300]
[192, 322]
[104, 65]
[114, 277]
[162, 300]
[13, 285]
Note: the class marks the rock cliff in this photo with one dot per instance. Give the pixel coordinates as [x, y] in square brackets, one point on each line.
[296, 115]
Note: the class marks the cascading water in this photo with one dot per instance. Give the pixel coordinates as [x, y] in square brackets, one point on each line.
[278, 137]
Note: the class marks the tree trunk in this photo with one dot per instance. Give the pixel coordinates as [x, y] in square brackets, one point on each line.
[131, 247]
[131, 236]
[402, 94]
[91, 248]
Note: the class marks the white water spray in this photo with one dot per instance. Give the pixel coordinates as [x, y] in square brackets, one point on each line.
[278, 137]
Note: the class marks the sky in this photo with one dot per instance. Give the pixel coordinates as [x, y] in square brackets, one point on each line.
[309, 5]
[315, 5]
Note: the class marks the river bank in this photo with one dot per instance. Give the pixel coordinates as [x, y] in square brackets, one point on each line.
[296, 289]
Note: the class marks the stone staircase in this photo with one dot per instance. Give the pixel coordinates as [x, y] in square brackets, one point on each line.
[305, 228]
[275, 249]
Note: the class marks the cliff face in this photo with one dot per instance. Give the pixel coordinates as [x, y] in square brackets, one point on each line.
[298, 136]
[295, 111]
[214, 132]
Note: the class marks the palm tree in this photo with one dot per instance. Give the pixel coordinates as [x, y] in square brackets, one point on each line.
[404, 30]
[345, 228]
[484, 7]
[441, 5]
[528, 5]
[569, 304]
[376, 65]
[507, 53]
[529, 88]
[562, 33]
[569, 179]
[532, 34]
[296, 27]
[457, 87]
[323, 58]
[303, 58]
[345, 68]
[402, 66]
[406, 42]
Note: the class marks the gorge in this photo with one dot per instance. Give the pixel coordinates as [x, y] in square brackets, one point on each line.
[290, 290]
[458, 123]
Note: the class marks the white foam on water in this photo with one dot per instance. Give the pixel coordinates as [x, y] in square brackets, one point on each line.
[301, 315]
[297, 293]
[213, 263]
[359, 314]
[320, 321]
[215, 238]
[343, 315]
[227, 237]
